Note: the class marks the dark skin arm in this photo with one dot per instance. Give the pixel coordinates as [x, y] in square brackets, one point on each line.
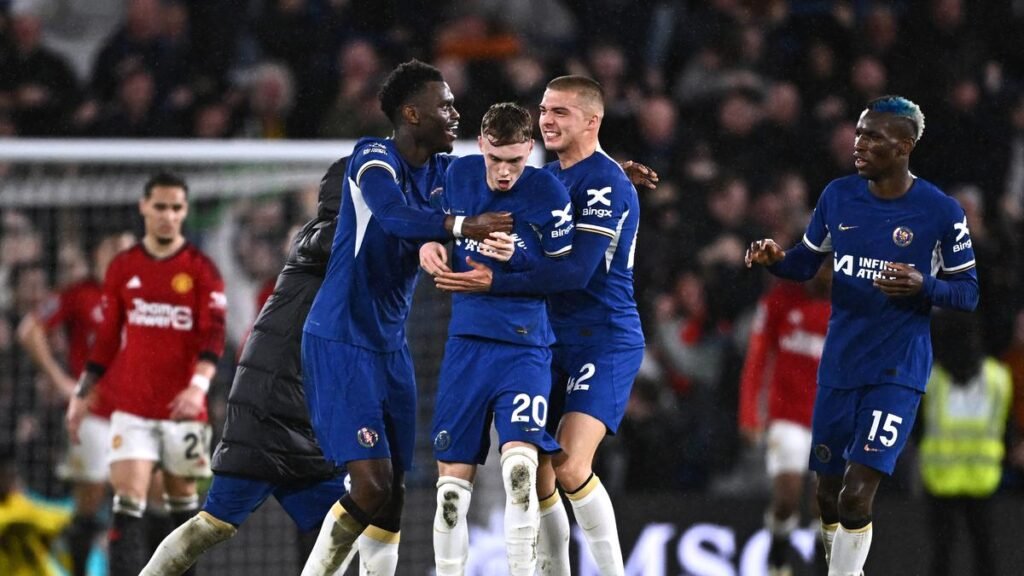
[480, 227]
[900, 280]
[640, 175]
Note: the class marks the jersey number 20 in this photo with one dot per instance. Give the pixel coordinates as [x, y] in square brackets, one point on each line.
[522, 402]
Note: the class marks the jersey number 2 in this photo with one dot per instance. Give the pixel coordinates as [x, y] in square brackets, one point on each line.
[192, 439]
[891, 420]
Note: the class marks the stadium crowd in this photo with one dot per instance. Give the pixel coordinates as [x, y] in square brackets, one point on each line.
[746, 109]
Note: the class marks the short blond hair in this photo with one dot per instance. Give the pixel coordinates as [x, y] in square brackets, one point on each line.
[589, 91]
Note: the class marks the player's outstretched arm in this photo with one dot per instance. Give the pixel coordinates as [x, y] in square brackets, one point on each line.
[479, 227]
[799, 263]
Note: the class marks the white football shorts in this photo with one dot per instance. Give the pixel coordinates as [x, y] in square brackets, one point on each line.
[789, 448]
[87, 460]
[182, 448]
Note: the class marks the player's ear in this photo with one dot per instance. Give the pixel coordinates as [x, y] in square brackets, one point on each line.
[907, 146]
[410, 114]
[480, 143]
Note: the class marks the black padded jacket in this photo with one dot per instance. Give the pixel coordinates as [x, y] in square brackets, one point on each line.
[267, 432]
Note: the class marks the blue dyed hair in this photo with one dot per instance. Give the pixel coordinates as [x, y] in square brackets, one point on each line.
[902, 108]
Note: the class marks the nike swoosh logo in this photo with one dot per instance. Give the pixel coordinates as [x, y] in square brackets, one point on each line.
[845, 228]
[867, 447]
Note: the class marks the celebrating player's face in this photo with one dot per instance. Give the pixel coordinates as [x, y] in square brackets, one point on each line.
[439, 120]
[164, 213]
[505, 164]
[562, 119]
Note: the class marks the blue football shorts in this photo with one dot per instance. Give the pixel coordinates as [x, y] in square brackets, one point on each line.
[362, 403]
[233, 498]
[486, 380]
[869, 425]
[594, 379]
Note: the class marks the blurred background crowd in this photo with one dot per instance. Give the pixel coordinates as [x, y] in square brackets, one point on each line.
[745, 108]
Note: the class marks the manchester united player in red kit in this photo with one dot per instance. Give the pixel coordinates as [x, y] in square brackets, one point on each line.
[784, 352]
[162, 333]
[76, 309]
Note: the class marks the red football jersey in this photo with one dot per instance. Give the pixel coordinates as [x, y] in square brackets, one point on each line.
[160, 316]
[77, 310]
[785, 350]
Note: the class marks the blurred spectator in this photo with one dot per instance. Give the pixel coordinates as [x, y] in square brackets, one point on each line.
[937, 45]
[657, 134]
[996, 251]
[271, 96]
[784, 126]
[837, 160]
[355, 111]
[212, 120]
[289, 33]
[868, 80]
[737, 141]
[964, 418]
[526, 78]
[38, 83]
[137, 44]
[133, 113]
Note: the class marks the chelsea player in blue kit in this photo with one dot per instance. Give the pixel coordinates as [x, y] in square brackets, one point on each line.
[358, 378]
[898, 246]
[599, 343]
[497, 364]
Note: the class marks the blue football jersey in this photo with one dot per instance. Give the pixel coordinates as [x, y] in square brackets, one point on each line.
[543, 216]
[604, 202]
[365, 297]
[872, 338]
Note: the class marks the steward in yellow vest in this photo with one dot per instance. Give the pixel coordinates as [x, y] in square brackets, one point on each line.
[964, 427]
[964, 409]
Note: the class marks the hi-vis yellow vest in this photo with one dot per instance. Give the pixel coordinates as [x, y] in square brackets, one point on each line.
[962, 448]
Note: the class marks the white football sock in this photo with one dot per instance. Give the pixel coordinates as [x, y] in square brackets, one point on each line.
[780, 528]
[182, 547]
[553, 539]
[828, 535]
[378, 551]
[850, 551]
[596, 517]
[332, 551]
[451, 531]
[522, 511]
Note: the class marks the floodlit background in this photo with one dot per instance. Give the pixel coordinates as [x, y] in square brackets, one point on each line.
[745, 108]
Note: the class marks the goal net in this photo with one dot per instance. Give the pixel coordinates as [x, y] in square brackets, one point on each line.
[58, 197]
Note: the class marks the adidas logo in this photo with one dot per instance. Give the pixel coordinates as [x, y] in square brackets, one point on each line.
[134, 282]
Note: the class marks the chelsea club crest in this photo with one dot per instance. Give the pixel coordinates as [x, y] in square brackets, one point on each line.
[902, 236]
